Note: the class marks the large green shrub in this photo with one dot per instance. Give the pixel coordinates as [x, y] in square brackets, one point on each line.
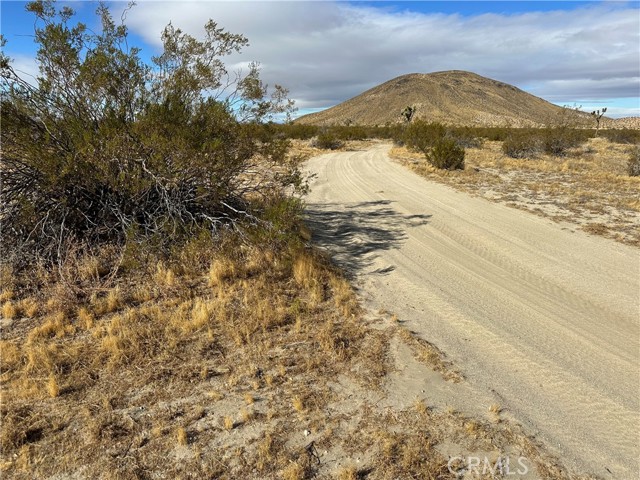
[557, 141]
[446, 154]
[422, 136]
[106, 146]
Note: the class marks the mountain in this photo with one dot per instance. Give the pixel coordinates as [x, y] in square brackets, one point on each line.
[453, 97]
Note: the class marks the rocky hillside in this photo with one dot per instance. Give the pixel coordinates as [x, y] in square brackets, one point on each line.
[452, 97]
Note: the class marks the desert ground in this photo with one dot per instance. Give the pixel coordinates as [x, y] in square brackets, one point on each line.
[586, 189]
[539, 317]
[467, 327]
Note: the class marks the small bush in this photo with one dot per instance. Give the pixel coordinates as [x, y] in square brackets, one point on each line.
[327, 140]
[556, 141]
[447, 155]
[522, 144]
[633, 165]
[466, 137]
[423, 136]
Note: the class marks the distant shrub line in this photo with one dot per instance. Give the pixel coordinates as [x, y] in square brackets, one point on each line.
[437, 141]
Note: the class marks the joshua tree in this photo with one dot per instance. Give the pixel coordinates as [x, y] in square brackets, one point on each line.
[597, 114]
[407, 113]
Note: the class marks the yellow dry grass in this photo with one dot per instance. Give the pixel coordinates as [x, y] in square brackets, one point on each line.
[233, 332]
[167, 373]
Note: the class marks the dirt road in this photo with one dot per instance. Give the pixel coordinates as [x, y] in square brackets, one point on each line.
[543, 318]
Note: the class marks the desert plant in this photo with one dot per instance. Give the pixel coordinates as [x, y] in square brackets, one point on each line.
[351, 132]
[297, 130]
[633, 164]
[447, 155]
[597, 116]
[465, 137]
[327, 140]
[498, 134]
[623, 135]
[522, 144]
[557, 140]
[421, 136]
[106, 146]
[407, 113]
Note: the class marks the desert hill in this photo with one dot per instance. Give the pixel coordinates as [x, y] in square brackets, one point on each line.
[451, 97]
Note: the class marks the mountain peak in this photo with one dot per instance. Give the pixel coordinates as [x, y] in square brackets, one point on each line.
[454, 97]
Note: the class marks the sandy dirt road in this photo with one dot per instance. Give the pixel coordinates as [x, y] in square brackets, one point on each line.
[543, 318]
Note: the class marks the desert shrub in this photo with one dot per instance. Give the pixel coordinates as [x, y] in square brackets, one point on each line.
[633, 164]
[496, 134]
[624, 135]
[446, 154]
[298, 131]
[557, 141]
[351, 132]
[421, 136]
[391, 132]
[522, 144]
[327, 140]
[465, 137]
[107, 147]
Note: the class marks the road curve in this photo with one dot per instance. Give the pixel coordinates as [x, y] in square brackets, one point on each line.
[545, 318]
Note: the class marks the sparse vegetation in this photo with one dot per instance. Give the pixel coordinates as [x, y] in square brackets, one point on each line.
[621, 135]
[590, 185]
[633, 164]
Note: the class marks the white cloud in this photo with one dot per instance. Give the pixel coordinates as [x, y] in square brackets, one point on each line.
[326, 52]
[26, 67]
[614, 112]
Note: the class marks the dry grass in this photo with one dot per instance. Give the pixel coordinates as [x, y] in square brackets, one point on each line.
[131, 372]
[251, 363]
[9, 309]
[589, 187]
[429, 354]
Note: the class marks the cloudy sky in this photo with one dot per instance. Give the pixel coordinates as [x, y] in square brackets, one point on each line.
[325, 52]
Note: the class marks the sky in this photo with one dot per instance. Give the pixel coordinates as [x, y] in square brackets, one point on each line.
[576, 53]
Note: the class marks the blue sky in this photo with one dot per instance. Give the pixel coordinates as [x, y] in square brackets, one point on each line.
[570, 53]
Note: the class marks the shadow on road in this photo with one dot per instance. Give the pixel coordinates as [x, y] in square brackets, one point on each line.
[354, 232]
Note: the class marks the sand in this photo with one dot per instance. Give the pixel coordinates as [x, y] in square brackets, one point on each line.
[544, 319]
